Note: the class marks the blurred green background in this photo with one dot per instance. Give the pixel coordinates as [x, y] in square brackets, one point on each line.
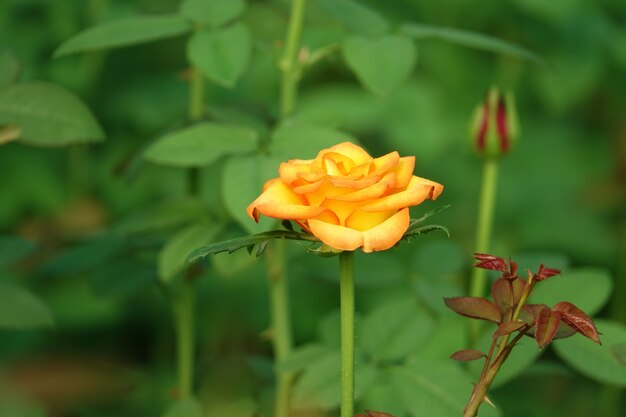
[87, 229]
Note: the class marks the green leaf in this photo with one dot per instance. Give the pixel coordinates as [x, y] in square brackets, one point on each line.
[201, 144]
[395, 330]
[302, 141]
[242, 183]
[162, 216]
[14, 249]
[122, 277]
[381, 64]
[587, 288]
[9, 67]
[214, 13]
[250, 242]
[83, 257]
[125, 32]
[435, 388]
[302, 357]
[320, 384]
[21, 309]
[601, 363]
[221, 55]
[470, 39]
[171, 260]
[414, 231]
[188, 407]
[356, 16]
[48, 115]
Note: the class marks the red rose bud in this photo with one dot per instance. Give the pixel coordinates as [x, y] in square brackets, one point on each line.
[494, 127]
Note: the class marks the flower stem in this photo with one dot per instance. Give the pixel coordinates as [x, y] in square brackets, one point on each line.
[289, 63]
[185, 338]
[478, 280]
[346, 289]
[281, 326]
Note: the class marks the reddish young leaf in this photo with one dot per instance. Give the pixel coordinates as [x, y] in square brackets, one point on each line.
[491, 262]
[501, 292]
[508, 327]
[545, 273]
[578, 320]
[511, 275]
[548, 322]
[467, 355]
[474, 307]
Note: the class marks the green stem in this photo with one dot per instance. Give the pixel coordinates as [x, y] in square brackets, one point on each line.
[485, 220]
[478, 280]
[276, 257]
[346, 289]
[289, 65]
[185, 338]
[281, 326]
[185, 308]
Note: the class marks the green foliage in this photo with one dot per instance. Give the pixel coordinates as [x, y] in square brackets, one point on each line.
[602, 363]
[470, 39]
[201, 144]
[434, 388]
[222, 55]
[393, 331]
[381, 64]
[125, 32]
[14, 249]
[356, 16]
[301, 141]
[171, 259]
[587, 288]
[188, 407]
[48, 115]
[21, 309]
[9, 68]
[214, 13]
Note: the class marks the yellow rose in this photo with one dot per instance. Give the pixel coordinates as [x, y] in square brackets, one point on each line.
[346, 198]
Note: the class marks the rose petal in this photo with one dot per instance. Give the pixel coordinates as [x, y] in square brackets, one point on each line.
[335, 236]
[352, 151]
[418, 190]
[292, 170]
[365, 220]
[404, 171]
[384, 163]
[388, 233]
[282, 203]
[377, 190]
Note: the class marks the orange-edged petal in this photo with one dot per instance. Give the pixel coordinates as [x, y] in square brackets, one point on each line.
[289, 171]
[388, 233]
[384, 163]
[404, 171]
[366, 220]
[352, 151]
[417, 191]
[280, 202]
[437, 188]
[335, 236]
[375, 191]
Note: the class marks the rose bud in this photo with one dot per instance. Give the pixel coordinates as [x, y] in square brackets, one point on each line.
[494, 126]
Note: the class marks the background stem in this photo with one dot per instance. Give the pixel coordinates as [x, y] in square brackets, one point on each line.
[185, 339]
[276, 253]
[483, 234]
[289, 63]
[346, 289]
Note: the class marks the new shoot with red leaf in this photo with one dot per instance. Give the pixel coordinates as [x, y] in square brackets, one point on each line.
[514, 319]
